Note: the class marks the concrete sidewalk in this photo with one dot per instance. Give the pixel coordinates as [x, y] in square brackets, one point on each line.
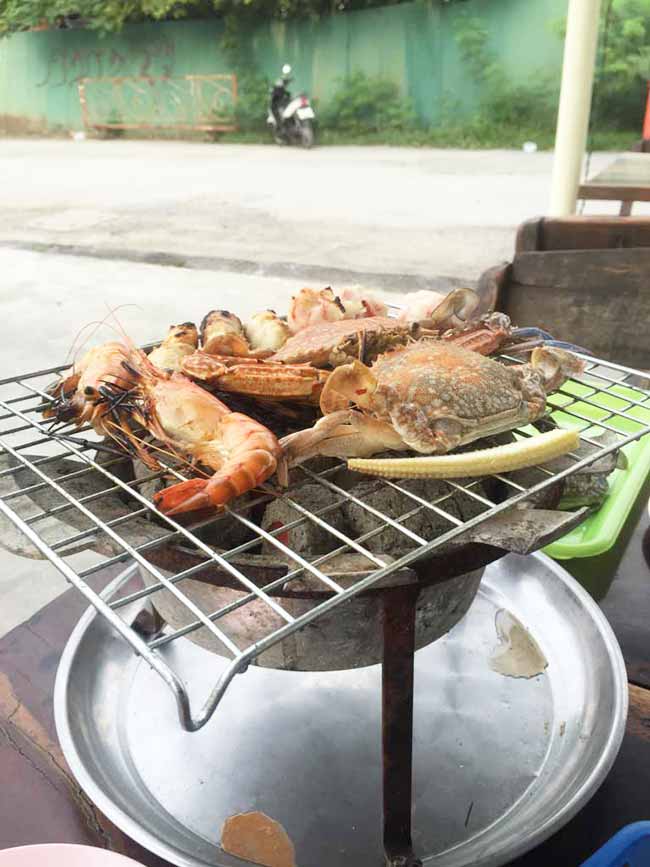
[403, 212]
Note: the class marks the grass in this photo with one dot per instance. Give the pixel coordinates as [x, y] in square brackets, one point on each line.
[470, 136]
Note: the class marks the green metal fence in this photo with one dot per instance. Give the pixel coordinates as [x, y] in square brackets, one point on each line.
[413, 44]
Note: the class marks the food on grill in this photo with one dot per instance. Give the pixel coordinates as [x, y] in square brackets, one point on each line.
[315, 307]
[223, 334]
[331, 343]
[480, 462]
[360, 303]
[266, 332]
[193, 423]
[242, 451]
[429, 389]
[420, 305]
[181, 340]
[430, 397]
[81, 396]
[256, 377]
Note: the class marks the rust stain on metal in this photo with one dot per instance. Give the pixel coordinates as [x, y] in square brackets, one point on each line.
[201, 103]
[258, 838]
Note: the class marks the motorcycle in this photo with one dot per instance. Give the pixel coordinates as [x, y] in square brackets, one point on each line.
[290, 119]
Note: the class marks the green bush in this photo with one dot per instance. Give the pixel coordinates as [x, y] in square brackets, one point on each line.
[623, 67]
[504, 103]
[252, 102]
[364, 104]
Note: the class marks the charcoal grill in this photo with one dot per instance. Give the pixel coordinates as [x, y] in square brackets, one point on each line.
[67, 491]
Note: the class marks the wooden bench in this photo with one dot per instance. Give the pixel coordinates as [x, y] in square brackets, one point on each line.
[626, 180]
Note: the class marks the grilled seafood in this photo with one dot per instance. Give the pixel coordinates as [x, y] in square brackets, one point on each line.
[313, 307]
[266, 380]
[82, 395]
[265, 331]
[223, 334]
[332, 343]
[191, 421]
[360, 303]
[431, 397]
[181, 340]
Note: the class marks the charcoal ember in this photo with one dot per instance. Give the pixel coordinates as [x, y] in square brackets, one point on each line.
[346, 569]
[426, 523]
[147, 486]
[224, 531]
[307, 537]
[584, 490]
[469, 506]
[298, 477]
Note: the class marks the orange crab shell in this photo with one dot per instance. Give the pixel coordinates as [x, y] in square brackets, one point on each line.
[257, 377]
[334, 343]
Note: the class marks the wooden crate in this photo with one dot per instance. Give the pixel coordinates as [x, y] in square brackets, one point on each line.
[584, 279]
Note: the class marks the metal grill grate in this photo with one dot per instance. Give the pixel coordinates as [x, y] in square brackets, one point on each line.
[65, 492]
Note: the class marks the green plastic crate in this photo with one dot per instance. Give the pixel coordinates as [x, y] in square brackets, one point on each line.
[598, 533]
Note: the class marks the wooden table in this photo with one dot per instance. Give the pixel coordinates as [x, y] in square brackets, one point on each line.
[626, 180]
[41, 802]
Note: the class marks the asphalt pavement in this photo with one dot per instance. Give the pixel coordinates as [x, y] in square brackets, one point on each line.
[141, 234]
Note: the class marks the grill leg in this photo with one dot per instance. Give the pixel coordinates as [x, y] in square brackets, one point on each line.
[397, 724]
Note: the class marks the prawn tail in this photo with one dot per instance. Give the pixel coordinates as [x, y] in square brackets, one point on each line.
[235, 477]
[189, 496]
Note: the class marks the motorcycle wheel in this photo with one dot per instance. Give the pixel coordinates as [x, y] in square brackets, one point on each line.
[306, 134]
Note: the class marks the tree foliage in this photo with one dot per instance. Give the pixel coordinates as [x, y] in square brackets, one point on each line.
[111, 15]
[620, 87]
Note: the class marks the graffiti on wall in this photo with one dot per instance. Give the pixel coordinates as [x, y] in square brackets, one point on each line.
[70, 65]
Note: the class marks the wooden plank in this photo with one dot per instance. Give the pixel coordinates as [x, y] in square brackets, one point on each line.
[40, 801]
[529, 235]
[614, 192]
[490, 284]
[597, 271]
[601, 322]
[587, 233]
[630, 169]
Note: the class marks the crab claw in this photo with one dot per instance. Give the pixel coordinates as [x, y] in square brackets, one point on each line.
[455, 310]
[348, 383]
[555, 365]
[342, 434]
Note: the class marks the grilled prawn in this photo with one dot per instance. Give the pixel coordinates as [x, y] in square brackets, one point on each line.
[191, 421]
[82, 395]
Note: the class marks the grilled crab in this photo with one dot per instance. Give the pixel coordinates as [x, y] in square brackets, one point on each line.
[294, 374]
[430, 397]
[255, 377]
[330, 344]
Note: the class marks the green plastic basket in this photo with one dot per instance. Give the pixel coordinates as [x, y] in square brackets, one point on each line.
[598, 533]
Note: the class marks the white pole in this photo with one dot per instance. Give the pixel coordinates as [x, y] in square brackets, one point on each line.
[575, 103]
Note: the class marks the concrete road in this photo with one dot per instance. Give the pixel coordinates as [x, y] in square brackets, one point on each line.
[250, 225]
[379, 211]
